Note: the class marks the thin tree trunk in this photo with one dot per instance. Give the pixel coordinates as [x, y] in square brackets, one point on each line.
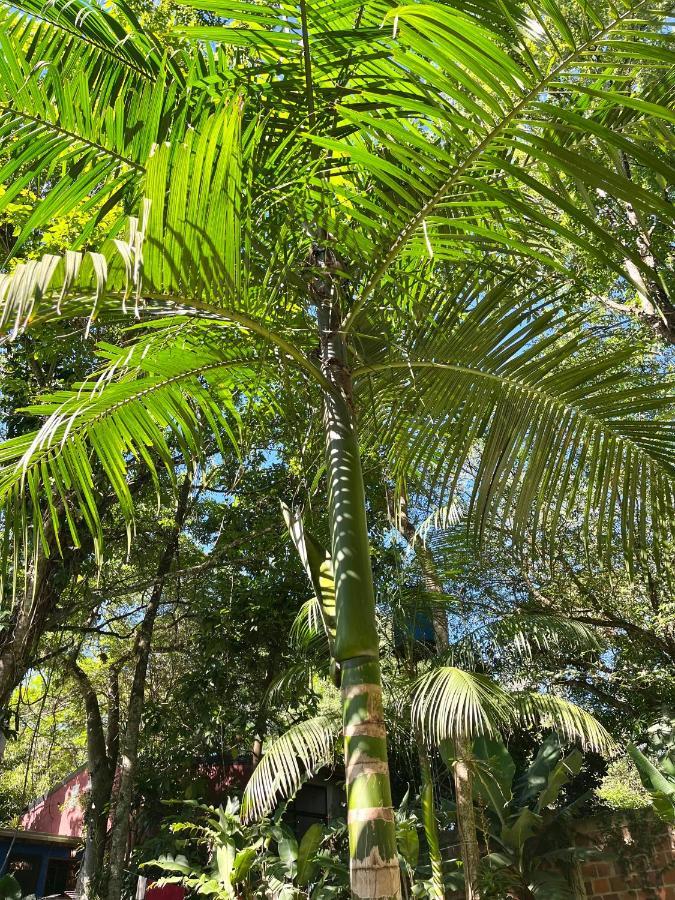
[31, 612]
[430, 822]
[577, 882]
[127, 770]
[19, 640]
[101, 767]
[466, 820]
[374, 868]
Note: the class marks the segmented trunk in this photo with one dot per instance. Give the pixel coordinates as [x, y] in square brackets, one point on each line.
[374, 868]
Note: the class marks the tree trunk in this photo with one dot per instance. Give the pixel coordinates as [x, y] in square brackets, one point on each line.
[31, 612]
[466, 819]
[101, 769]
[374, 868]
[430, 822]
[19, 640]
[577, 882]
[129, 755]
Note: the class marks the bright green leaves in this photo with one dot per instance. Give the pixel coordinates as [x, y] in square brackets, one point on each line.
[659, 780]
[449, 703]
[157, 411]
[192, 246]
[476, 149]
[77, 119]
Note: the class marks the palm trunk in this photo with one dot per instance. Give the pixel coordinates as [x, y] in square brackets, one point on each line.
[466, 819]
[430, 822]
[374, 868]
[120, 832]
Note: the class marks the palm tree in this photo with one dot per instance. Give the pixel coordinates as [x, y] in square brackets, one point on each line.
[395, 184]
[446, 707]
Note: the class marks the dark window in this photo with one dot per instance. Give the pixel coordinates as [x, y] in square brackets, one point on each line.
[58, 876]
[26, 870]
[310, 806]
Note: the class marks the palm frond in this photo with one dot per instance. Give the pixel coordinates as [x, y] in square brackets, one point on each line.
[570, 721]
[161, 404]
[493, 108]
[293, 757]
[525, 632]
[450, 703]
[440, 519]
[81, 104]
[560, 423]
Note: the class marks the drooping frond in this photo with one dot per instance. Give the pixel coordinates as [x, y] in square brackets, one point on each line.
[560, 423]
[319, 569]
[307, 625]
[525, 632]
[161, 406]
[570, 721]
[448, 703]
[302, 751]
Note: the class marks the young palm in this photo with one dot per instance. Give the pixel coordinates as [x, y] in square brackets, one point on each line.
[366, 178]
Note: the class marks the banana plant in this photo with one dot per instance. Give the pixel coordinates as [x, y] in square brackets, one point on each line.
[659, 779]
[528, 857]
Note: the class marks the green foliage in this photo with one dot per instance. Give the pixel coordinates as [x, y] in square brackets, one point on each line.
[10, 889]
[530, 845]
[621, 787]
[659, 779]
[256, 860]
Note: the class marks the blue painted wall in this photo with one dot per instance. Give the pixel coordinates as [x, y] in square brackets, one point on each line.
[39, 856]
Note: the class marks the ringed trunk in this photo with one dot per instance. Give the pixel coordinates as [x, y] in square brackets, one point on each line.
[374, 867]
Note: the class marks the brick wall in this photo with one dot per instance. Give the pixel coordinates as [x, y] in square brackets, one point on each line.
[638, 858]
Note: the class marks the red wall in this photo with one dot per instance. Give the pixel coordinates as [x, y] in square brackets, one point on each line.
[61, 811]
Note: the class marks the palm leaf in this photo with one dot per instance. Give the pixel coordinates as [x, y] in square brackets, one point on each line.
[450, 703]
[570, 721]
[507, 117]
[294, 756]
[81, 106]
[560, 424]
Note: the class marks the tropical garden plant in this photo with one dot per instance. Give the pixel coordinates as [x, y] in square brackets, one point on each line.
[531, 846]
[251, 861]
[659, 779]
[445, 708]
[340, 213]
